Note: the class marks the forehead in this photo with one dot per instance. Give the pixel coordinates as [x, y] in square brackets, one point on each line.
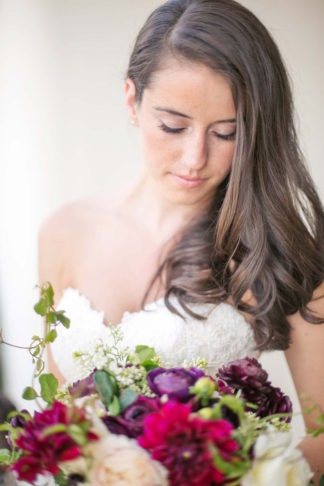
[192, 88]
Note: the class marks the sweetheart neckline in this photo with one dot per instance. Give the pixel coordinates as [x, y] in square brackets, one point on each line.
[93, 309]
[148, 306]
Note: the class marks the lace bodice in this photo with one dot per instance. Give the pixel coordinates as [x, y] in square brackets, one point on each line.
[224, 336]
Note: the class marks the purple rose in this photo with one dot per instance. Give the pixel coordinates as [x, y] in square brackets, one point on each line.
[131, 421]
[248, 376]
[114, 425]
[173, 382]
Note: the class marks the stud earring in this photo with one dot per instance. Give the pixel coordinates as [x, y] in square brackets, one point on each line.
[133, 121]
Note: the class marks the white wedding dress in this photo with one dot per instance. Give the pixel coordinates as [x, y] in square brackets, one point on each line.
[224, 336]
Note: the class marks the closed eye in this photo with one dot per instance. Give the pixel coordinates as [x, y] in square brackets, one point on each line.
[230, 136]
[167, 129]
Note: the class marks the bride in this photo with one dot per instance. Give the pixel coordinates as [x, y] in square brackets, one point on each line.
[222, 236]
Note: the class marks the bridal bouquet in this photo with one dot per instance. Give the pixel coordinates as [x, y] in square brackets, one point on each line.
[136, 421]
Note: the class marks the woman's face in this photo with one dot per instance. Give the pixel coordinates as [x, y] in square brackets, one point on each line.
[187, 120]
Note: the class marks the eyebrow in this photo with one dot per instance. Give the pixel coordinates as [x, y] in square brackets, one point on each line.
[183, 115]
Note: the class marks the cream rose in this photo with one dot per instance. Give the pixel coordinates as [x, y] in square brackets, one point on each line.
[120, 461]
[276, 463]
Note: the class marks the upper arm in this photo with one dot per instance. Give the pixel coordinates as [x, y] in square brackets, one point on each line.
[55, 247]
[305, 355]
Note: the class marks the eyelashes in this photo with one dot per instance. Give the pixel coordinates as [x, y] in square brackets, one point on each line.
[174, 131]
[167, 129]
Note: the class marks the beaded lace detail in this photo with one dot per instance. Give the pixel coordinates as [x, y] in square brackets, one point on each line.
[224, 336]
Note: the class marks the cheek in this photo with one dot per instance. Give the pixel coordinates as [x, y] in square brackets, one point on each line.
[158, 152]
[224, 157]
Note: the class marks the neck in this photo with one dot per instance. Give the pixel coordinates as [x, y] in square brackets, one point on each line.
[153, 212]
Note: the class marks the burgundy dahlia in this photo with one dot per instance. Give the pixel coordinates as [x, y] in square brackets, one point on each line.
[173, 382]
[182, 443]
[248, 376]
[43, 452]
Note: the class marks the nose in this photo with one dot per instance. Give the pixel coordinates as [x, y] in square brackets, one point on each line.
[195, 153]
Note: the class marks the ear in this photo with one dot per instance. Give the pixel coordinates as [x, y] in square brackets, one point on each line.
[130, 92]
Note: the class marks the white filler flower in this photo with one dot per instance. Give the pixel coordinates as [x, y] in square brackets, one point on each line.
[277, 463]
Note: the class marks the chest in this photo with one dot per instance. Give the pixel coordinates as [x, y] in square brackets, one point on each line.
[115, 271]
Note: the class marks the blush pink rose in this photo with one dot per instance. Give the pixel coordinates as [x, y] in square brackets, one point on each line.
[118, 460]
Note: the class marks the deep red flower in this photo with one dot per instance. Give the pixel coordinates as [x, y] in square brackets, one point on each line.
[247, 376]
[181, 442]
[43, 453]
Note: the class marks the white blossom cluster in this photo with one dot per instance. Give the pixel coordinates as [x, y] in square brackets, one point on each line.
[123, 365]
[133, 377]
[102, 355]
[195, 363]
[98, 356]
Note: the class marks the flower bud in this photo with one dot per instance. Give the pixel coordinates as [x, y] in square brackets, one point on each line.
[206, 413]
[204, 387]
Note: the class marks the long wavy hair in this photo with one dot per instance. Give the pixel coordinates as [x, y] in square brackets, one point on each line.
[266, 215]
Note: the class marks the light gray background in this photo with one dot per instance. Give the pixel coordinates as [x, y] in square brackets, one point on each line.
[65, 133]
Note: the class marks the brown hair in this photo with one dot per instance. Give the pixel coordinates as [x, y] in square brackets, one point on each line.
[266, 214]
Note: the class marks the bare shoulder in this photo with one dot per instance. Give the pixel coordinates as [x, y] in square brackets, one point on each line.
[63, 235]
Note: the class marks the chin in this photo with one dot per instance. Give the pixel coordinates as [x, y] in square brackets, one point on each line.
[188, 197]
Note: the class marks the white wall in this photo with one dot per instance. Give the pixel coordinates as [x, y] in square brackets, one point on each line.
[65, 132]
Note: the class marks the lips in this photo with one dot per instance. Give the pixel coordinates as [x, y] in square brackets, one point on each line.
[188, 181]
[188, 178]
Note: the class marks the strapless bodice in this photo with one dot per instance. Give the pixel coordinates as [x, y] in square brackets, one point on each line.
[224, 336]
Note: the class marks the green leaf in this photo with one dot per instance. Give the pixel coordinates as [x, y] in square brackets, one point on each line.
[51, 336]
[231, 401]
[145, 353]
[61, 479]
[49, 385]
[41, 308]
[5, 456]
[77, 434]
[47, 293]
[40, 366]
[113, 381]
[149, 365]
[51, 317]
[104, 386]
[127, 397]
[316, 432]
[65, 321]
[29, 393]
[36, 338]
[54, 429]
[232, 469]
[114, 406]
[15, 455]
[36, 351]
[5, 427]
[321, 483]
